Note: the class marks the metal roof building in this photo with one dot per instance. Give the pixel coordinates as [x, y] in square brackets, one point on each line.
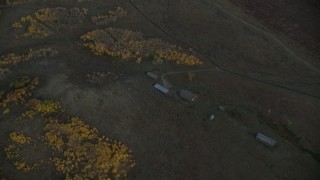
[161, 88]
[187, 95]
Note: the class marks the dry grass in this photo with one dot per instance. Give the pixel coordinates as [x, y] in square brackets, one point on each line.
[12, 58]
[47, 21]
[75, 149]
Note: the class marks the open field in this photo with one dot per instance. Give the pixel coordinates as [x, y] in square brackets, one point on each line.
[75, 101]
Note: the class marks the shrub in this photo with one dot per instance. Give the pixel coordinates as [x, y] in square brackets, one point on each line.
[13, 152]
[19, 95]
[6, 111]
[112, 16]
[44, 22]
[76, 149]
[20, 138]
[44, 108]
[132, 45]
[84, 154]
[11, 58]
[20, 83]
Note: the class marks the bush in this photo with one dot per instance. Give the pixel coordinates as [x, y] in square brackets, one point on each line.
[45, 22]
[20, 138]
[129, 45]
[76, 149]
[20, 83]
[14, 153]
[44, 108]
[112, 16]
[84, 154]
[19, 95]
[11, 58]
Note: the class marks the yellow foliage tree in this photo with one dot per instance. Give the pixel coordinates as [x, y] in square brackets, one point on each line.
[128, 45]
[84, 154]
[44, 22]
[20, 138]
[18, 96]
[44, 108]
[13, 152]
[112, 16]
[79, 151]
[12, 58]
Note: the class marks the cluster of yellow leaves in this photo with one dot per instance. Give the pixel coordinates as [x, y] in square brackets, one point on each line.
[12, 58]
[25, 80]
[29, 114]
[112, 16]
[20, 165]
[75, 132]
[178, 56]
[132, 45]
[44, 22]
[54, 140]
[85, 155]
[79, 152]
[58, 18]
[31, 27]
[6, 111]
[46, 14]
[44, 108]
[16, 96]
[19, 95]
[13, 152]
[20, 138]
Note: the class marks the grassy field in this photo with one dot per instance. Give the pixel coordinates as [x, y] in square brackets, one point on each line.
[75, 101]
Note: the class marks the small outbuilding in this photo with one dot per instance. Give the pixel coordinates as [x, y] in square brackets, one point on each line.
[161, 88]
[187, 95]
[153, 75]
[266, 140]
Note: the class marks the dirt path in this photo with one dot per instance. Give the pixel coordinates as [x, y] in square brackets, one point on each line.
[284, 60]
[296, 19]
[270, 35]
